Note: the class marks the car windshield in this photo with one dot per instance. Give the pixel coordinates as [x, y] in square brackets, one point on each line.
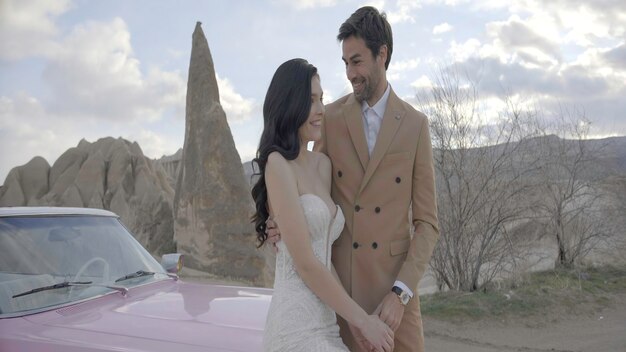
[48, 261]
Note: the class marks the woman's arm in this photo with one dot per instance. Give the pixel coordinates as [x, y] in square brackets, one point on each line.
[335, 275]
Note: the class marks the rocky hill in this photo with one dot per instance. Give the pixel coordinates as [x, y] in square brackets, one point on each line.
[110, 174]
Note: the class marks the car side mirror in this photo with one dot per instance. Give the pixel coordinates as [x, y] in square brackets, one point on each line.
[172, 262]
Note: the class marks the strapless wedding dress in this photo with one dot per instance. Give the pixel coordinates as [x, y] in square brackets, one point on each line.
[297, 319]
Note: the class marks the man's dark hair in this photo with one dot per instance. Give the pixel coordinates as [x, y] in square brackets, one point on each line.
[372, 26]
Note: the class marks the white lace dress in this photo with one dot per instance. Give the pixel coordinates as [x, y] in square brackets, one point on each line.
[298, 320]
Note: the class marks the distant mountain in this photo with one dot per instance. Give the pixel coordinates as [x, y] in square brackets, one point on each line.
[611, 155]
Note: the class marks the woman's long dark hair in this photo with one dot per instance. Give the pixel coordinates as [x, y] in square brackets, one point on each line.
[286, 108]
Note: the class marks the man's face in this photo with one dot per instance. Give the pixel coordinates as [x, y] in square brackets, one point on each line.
[363, 70]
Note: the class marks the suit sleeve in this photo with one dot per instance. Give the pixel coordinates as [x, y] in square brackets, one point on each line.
[423, 213]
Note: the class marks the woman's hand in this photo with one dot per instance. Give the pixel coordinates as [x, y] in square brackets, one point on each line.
[377, 333]
[273, 233]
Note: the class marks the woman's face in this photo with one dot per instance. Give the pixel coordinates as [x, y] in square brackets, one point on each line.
[311, 130]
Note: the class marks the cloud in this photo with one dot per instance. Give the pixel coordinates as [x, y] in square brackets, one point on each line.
[398, 69]
[27, 28]
[305, 4]
[516, 35]
[442, 28]
[616, 56]
[590, 21]
[450, 3]
[403, 11]
[94, 74]
[574, 85]
[422, 82]
[27, 131]
[237, 108]
[584, 22]
[154, 145]
[465, 50]
[557, 53]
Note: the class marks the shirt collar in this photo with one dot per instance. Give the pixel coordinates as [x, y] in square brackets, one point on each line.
[381, 104]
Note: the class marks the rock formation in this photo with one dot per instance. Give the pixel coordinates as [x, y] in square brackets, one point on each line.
[171, 165]
[110, 174]
[212, 206]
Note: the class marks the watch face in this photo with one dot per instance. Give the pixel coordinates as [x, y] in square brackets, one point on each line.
[404, 298]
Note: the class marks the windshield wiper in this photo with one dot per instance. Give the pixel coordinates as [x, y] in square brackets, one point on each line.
[53, 287]
[134, 275]
[121, 289]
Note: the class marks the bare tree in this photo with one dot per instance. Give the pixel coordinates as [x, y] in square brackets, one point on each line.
[569, 194]
[480, 165]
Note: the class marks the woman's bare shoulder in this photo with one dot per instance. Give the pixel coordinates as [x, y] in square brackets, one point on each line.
[276, 163]
[276, 160]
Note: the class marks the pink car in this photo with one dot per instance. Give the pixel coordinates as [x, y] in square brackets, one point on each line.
[75, 279]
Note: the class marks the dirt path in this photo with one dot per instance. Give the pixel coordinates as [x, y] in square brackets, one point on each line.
[603, 331]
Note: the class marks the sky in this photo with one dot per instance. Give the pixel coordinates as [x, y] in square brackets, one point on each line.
[74, 69]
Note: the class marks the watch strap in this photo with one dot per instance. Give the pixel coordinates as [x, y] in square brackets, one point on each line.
[404, 297]
[397, 290]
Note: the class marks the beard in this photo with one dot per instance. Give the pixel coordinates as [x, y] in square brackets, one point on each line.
[365, 93]
[369, 85]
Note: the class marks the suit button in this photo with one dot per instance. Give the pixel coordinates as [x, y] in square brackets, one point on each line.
[357, 208]
[374, 245]
[377, 210]
[339, 173]
[355, 245]
[398, 179]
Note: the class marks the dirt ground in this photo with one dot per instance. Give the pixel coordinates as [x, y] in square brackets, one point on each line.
[602, 331]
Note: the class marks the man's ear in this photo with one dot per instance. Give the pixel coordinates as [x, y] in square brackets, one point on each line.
[383, 52]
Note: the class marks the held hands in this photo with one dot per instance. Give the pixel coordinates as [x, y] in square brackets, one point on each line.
[390, 311]
[373, 335]
[364, 345]
[273, 233]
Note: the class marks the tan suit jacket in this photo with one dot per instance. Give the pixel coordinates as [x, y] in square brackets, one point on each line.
[376, 194]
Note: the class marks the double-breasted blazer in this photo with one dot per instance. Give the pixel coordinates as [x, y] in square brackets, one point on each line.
[388, 200]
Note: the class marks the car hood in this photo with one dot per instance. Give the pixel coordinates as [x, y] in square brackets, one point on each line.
[165, 315]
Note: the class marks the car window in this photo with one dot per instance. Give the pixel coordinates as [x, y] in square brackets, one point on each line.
[48, 250]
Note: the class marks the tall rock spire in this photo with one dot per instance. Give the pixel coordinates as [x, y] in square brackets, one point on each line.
[212, 205]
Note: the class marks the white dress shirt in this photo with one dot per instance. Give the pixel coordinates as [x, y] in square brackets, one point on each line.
[373, 118]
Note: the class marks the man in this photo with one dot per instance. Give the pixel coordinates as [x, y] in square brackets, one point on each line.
[381, 154]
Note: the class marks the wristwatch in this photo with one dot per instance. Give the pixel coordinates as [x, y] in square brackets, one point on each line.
[404, 296]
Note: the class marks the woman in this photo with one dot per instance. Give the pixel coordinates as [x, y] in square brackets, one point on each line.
[294, 186]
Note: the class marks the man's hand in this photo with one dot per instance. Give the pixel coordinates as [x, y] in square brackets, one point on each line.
[273, 233]
[391, 310]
